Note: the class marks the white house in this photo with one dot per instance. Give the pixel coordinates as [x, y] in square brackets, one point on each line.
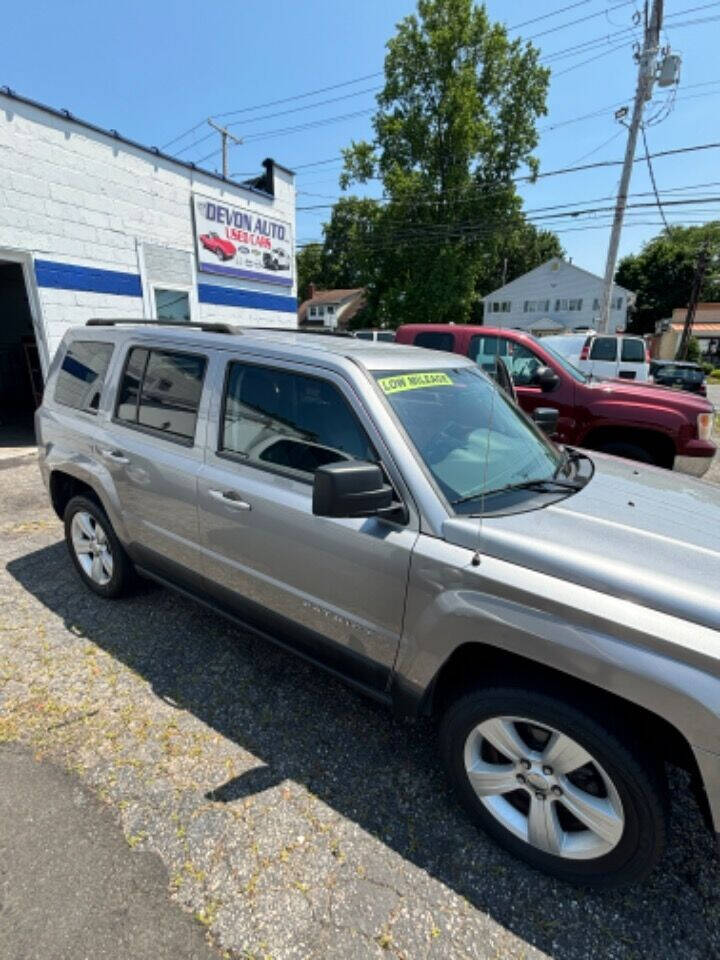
[93, 224]
[555, 297]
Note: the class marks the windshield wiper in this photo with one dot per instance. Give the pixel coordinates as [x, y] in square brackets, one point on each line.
[547, 485]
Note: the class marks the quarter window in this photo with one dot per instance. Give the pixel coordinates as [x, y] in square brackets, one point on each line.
[435, 341]
[283, 420]
[633, 351]
[161, 391]
[604, 348]
[82, 375]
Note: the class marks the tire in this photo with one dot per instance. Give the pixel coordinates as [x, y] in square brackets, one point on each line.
[98, 556]
[630, 451]
[620, 787]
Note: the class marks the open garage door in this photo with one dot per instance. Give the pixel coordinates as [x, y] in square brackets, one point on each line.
[20, 371]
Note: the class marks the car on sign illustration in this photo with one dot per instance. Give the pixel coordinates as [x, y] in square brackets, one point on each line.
[223, 249]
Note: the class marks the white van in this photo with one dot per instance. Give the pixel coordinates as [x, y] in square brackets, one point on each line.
[604, 356]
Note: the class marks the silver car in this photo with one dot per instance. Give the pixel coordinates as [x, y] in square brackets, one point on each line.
[388, 513]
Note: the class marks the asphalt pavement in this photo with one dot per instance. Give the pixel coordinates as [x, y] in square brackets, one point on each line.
[70, 886]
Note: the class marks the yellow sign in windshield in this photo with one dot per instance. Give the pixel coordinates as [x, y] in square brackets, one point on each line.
[414, 381]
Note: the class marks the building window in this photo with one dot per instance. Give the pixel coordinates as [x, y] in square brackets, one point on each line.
[313, 311]
[536, 306]
[501, 306]
[331, 309]
[172, 305]
[616, 303]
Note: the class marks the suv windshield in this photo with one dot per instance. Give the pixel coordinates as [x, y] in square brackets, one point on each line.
[563, 362]
[474, 441]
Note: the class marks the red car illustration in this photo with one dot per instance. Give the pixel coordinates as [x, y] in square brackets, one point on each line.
[223, 249]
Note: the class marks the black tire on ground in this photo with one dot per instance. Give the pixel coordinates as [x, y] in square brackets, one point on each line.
[637, 776]
[630, 451]
[123, 573]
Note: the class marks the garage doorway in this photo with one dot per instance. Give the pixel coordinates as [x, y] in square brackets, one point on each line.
[21, 378]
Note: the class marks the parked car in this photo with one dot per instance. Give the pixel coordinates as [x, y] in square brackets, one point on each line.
[391, 515]
[385, 336]
[635, 420]
[223, 249]
[604, 356]
[276, 259]
[681, 374]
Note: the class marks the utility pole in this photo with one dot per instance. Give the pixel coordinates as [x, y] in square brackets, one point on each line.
[647, 60]
[225, 135]
[702, 265]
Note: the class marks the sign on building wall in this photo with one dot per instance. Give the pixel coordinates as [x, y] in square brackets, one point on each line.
[242, 242]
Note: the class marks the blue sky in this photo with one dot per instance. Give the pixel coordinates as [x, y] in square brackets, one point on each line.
[153, 70]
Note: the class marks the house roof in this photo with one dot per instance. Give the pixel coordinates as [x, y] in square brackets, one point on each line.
[542, 266]
[152, 151]
[699, 329]
[704, 313]
[334, 297]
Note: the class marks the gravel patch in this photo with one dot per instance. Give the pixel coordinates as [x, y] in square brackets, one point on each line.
[295, 818]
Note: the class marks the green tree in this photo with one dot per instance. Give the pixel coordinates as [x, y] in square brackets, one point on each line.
[662, 273]
[455, 120]
[348, 253]
[309, 269]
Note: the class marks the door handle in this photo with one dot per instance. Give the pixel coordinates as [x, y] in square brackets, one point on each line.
[117, 456]
[230, 499]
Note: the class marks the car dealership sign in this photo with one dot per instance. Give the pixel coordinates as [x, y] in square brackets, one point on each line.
[242, 242]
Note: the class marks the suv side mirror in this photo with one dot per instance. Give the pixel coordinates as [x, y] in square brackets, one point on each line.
[546, 379]
[546, 418]
[350, 488]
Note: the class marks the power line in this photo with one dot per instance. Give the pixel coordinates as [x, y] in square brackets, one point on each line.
[652, 177]
[573, 169]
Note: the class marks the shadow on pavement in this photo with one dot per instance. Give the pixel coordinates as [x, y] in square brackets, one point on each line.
[381, 774]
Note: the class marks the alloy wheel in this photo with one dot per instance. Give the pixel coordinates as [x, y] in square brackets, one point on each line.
[92, 548]
[544, 787]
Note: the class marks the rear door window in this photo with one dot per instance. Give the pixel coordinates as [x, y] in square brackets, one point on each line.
[604, 348]
[161, 390]
[633, 351]
[483, 351]
[287, 421]
[434, 340]
[82, 374]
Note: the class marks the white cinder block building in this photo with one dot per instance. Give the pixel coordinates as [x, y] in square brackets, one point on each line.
[556, 297]
[93, 224]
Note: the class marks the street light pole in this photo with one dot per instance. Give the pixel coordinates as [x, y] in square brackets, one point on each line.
[646, 77]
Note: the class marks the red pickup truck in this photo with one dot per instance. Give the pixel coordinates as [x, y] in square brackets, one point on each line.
[636, 420]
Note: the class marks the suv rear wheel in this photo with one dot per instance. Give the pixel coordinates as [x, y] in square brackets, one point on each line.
[555, 786]
[96, 552]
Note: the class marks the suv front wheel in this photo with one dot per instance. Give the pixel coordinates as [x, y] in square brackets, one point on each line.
[555, 786]
[96, 552]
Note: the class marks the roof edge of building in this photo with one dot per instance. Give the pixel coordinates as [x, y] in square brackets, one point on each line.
[112, 134]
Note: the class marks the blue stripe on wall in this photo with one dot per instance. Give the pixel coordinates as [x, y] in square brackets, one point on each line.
[68, 276]
[232, 297]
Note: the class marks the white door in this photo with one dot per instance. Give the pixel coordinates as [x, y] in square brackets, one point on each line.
[603, 357]
[633, 364]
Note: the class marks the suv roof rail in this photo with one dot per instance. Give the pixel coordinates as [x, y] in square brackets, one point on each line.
[322, 333]
[206, 327]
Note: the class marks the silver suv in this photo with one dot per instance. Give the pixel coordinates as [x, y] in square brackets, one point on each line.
[390, 514]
